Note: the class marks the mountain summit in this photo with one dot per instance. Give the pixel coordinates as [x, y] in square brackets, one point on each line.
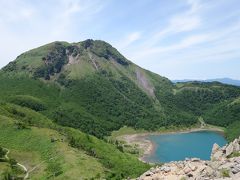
[51, 59]
[59, 60]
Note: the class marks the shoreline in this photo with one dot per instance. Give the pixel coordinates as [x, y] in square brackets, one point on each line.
[148, 147]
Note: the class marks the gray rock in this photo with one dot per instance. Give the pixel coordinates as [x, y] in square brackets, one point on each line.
[209, 171]
[237, 160]
[236, 176]
[165, 169]
[236, 146]
[236, 169]
[187, 170]
[227, 165]
[148, 173]
[217, 156]
[214, 164]
[195, 159]
[152, 170]
[215, 148]
[224, 148]
[192, 167]
[229, 149]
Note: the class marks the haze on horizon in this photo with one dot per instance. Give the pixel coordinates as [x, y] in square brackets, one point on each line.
[181, 39]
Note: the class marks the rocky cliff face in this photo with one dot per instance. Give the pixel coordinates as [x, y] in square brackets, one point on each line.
[224, 164]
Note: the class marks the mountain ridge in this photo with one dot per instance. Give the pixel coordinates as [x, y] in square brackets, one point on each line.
[229, 81]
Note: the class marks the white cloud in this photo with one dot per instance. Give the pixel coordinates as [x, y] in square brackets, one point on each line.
[181, 22]
[71, 8]
[87, 8]
[128, 40]
[196, 5]
[12, 11]
[201, 46]
[186, 21]
[185, 43]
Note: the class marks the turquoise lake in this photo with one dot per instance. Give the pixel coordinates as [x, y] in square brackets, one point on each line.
[174, 147]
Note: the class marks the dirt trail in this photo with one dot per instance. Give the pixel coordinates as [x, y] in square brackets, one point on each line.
[22, 166]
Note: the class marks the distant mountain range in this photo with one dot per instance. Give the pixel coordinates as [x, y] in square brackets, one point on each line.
[221, 80]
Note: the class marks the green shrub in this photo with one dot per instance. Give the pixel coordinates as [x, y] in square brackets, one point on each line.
[225, 173]
[2, 152]
[29, 102]
[12, 162]
[120, 164]
[234, 154]
[233, 131]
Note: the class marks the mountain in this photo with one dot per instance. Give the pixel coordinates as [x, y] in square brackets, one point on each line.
[74, 95]
[221, 80]
[97, 89]
[226, 81]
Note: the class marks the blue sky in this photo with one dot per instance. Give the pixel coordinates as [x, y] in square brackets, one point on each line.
[179, 39]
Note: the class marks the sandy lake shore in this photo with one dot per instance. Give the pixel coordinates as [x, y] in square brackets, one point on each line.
[147, 147]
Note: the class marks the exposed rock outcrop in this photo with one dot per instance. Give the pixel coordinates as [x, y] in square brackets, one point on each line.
[224, 164]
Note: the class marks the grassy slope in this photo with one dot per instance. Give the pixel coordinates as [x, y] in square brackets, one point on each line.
[33, 147]
[86, 153]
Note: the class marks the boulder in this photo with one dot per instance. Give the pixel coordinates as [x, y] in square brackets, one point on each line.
[229, 149]
[201, 168]
[181, 172]
[236, 146]
[236, 169]
[237, 160]
[192, 167]
[195, 159]
[209, 171]
[157, 170]
[215, 148]
[165, 169]
[236, 176]
[217, 156]
[226, 165]
[152, 170]
[215, 164]
[224, 148]
[148, 173]
[187, 170]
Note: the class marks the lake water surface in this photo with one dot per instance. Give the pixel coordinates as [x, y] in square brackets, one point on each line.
[174, 147]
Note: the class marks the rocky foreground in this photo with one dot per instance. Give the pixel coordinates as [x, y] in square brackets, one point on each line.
[224, 164]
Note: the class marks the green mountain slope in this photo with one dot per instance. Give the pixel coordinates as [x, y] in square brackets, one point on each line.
[48, 150]
[96, 89]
